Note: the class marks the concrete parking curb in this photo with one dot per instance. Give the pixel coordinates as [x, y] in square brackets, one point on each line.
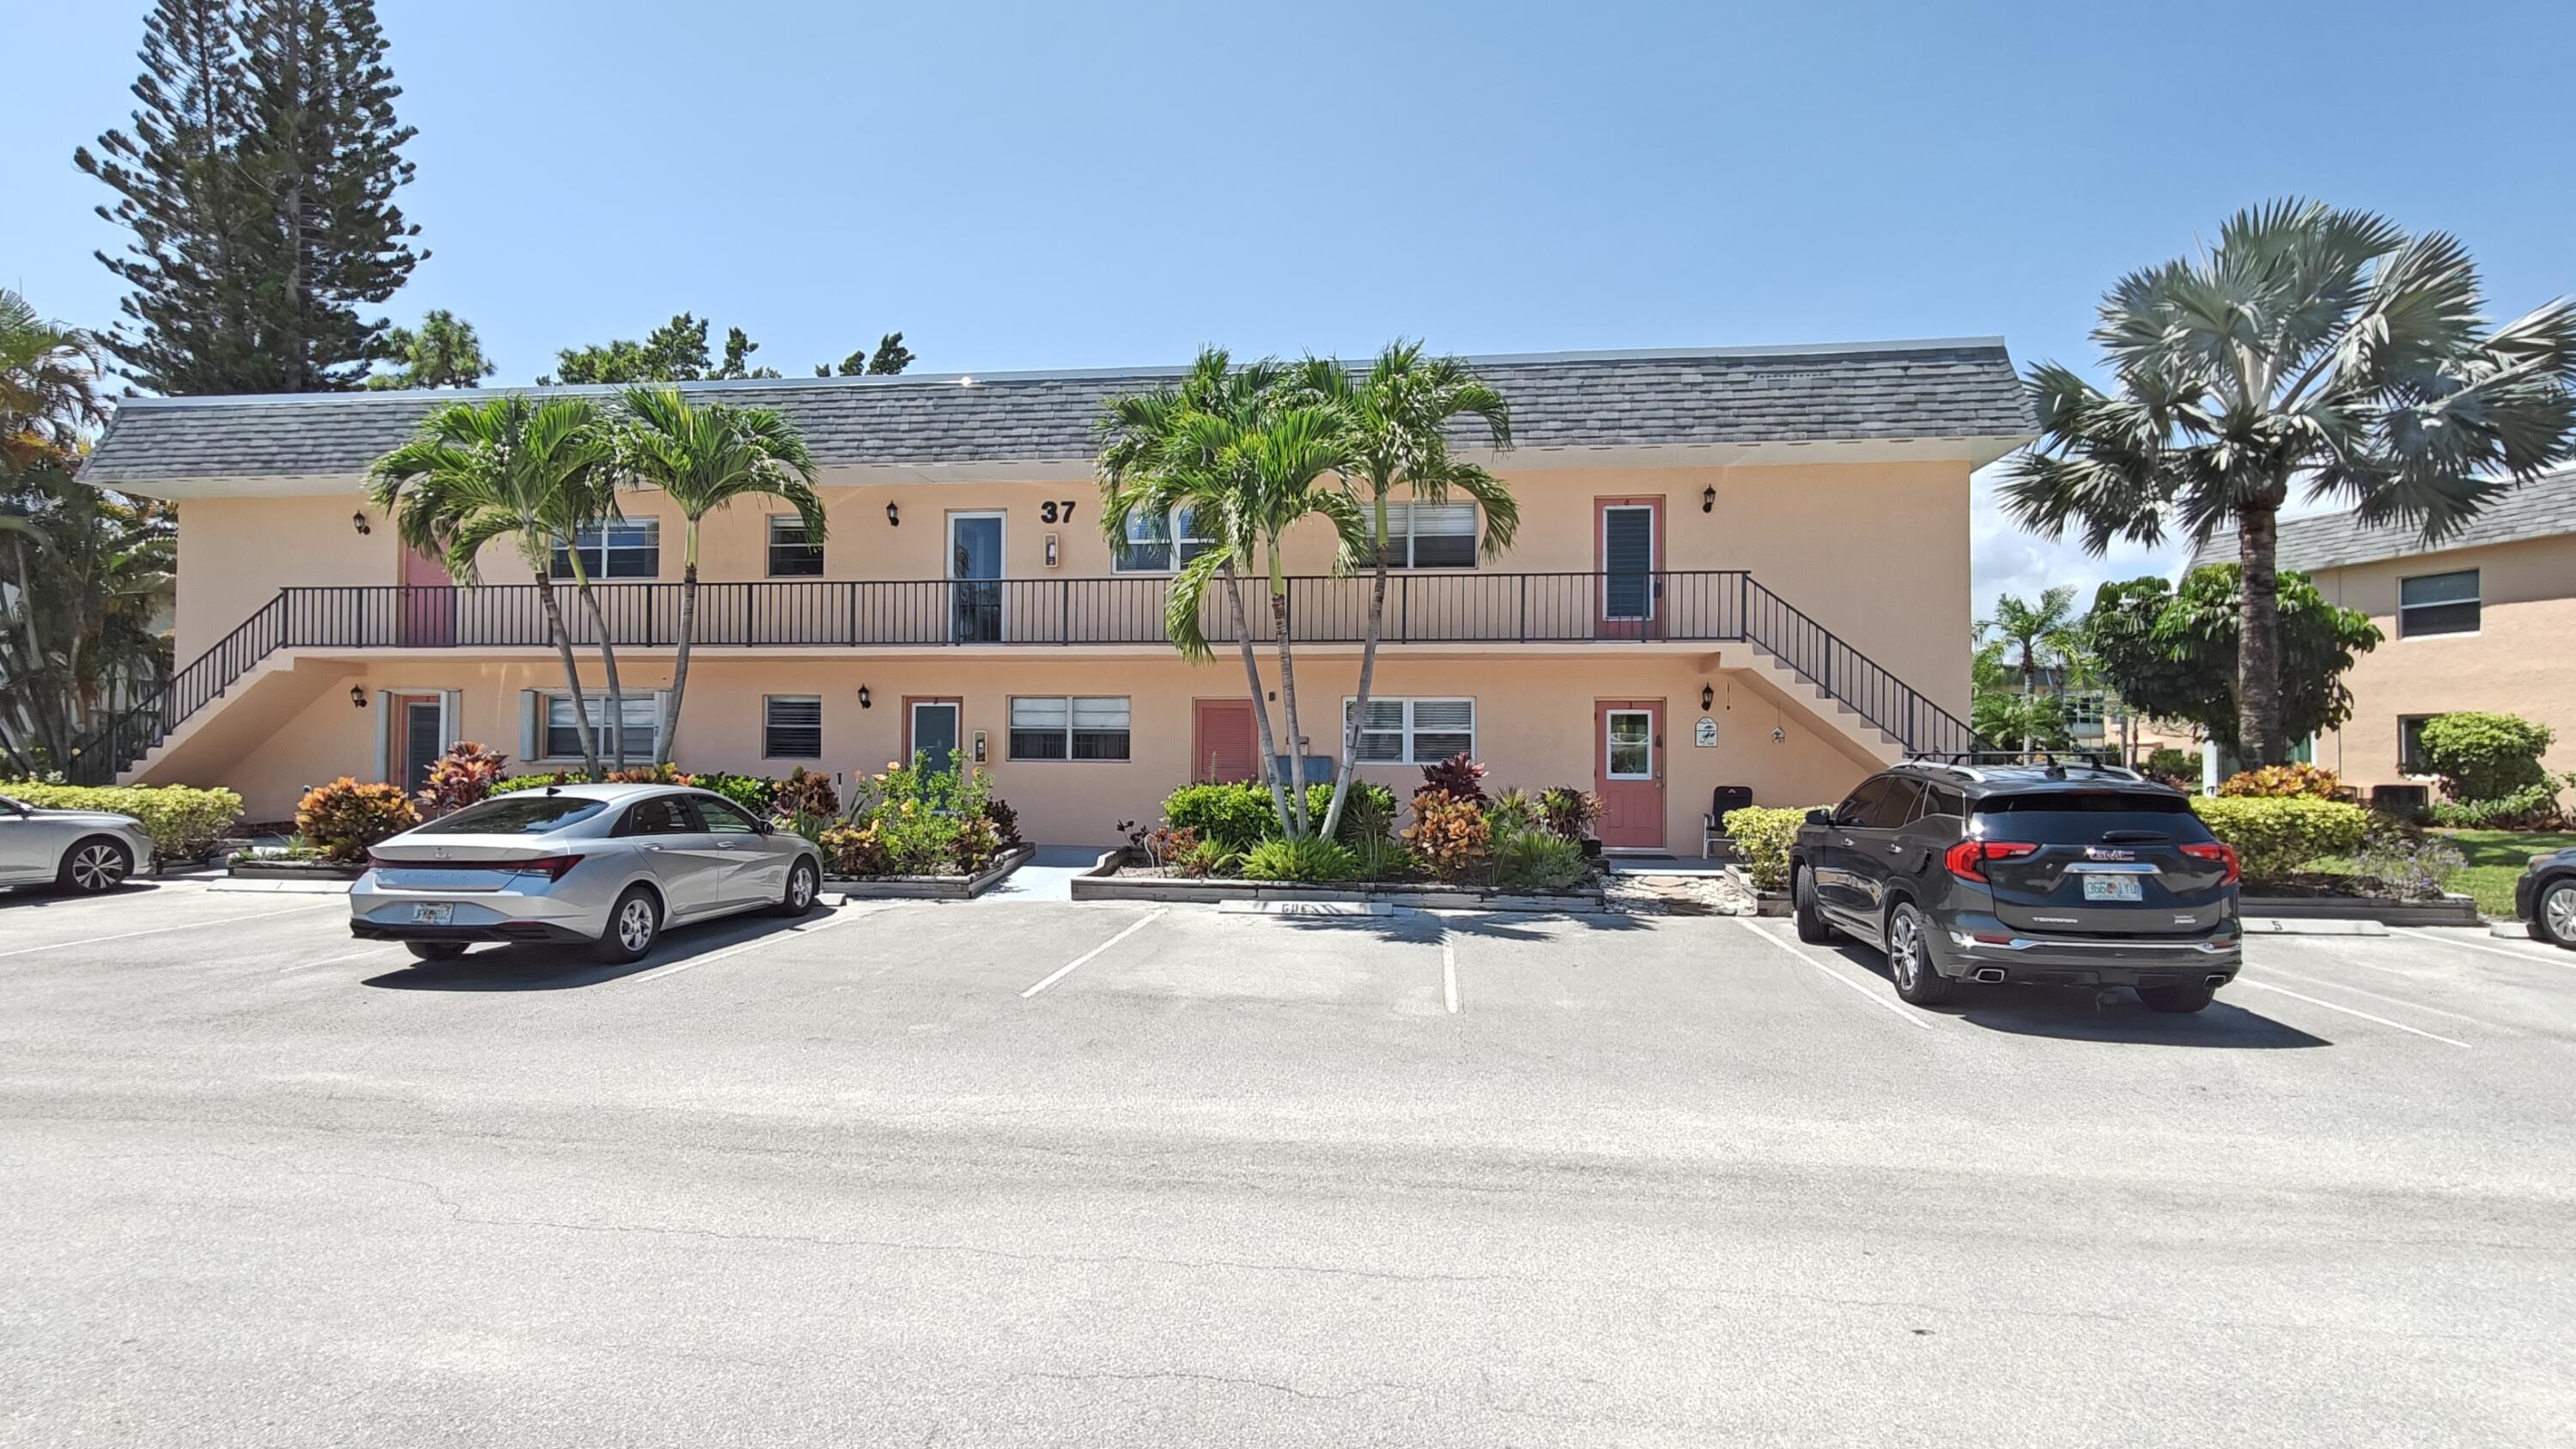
[2311, 926]
[258, 886]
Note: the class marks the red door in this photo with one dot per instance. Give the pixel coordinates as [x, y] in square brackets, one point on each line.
[1628, 551]
[1224, 745]
[1628, 772]
[425, 608]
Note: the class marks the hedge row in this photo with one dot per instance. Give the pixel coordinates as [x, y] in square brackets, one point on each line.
[183, 821]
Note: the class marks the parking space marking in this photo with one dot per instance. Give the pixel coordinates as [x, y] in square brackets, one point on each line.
[2269, 970]
[838, 917]
[2349, 1011]
[2528, 958]
[165, 930]
[1449, 972]
[1902, 1014]
[1067, 969]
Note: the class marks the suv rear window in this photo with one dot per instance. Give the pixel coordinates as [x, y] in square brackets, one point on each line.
[516, 815]
[2084, 802]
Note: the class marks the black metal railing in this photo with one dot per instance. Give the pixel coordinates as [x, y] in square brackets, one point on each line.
[1695, 606]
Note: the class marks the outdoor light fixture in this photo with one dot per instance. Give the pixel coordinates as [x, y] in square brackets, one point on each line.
[893, 519]
[1708, 499]
[358, 521]
[1707, 695]
[357, 697]
[864, 701]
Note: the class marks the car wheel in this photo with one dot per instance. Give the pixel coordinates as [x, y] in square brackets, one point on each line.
[435, 950]
[634, 923]
[804, 883]
[2553, 916]
[1909, 959]
[1812, 928]
[2179, 1000]
[94, 864]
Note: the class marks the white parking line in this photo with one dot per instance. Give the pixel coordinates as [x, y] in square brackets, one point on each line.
[2539, 956]
[1065, 970]
[1449, 972]
[2376, 996]
[2348, 1011]
[165, 930]
[838, 917]
[1902, 1014]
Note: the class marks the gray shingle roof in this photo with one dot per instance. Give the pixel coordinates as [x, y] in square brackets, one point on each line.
[2543, 508]
[1866, 391]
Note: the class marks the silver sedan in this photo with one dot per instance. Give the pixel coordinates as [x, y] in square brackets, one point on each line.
[608, 866]
[78, 850]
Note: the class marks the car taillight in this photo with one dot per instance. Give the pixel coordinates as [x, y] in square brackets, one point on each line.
[2221, 852]
[1967, 859]
[552, 867]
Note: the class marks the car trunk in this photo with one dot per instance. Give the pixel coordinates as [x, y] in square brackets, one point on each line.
[2103, 862]
[466, 863]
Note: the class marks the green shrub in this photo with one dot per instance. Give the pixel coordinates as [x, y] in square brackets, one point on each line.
[922, 821]
[2276, 782]
[2486, 756]
[1763, 835]
[2167, 763]
[1301, 860]
[752, 792]
[1539, 859]
[1368, 812]
[342, 819]
[2414, 866]
[1238, 816]
[516, 783]
[183, 821]
[2275, 836]
[2533, 807]
[1570, 810]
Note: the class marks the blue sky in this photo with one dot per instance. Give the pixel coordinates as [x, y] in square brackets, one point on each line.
[1067, 185]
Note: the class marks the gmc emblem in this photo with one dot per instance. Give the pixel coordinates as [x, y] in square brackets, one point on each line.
[2107, 852]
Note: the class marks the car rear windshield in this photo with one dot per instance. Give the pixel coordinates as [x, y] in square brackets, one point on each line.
[516, 815]
[2085, 802]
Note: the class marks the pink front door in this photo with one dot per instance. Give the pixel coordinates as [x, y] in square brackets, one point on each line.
[1223, 742]
[1628, 772]
[425, 607]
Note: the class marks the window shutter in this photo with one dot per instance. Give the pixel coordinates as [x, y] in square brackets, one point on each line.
[528, 724]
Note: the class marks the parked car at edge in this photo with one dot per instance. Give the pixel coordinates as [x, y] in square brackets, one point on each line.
[2545, 895]
[78, 850]
[2077, 875]
[606, 866]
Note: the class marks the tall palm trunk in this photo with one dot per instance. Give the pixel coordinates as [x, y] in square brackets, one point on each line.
[616, 722]
[2029, 697]
[2258, 638]
[1288, 696]
[1260, 706]
[680, 657]
[1368, 670]
[572, 674]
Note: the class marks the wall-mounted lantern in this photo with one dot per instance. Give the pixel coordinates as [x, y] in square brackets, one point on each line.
[1707, 696]
[1708, 499]
[358, 521]
[357, 697]
[864, 701]
[894, 519]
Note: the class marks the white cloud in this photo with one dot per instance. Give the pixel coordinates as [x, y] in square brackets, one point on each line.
[2004, 559]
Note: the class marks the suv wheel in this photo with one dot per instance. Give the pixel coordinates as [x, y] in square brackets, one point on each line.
[633, 924]
[2176, 999]
[1812, 928]
[2553, 916]
[1909, 959]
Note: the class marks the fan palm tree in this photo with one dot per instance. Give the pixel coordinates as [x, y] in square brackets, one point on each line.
[703, 458]
[513, 468]
[1399, 416]
[2310, 347]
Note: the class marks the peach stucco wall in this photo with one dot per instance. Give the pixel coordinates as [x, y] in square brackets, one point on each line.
[2516, 663]
[1535, 722]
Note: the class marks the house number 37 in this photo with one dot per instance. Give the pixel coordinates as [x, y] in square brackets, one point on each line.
[1053, 512]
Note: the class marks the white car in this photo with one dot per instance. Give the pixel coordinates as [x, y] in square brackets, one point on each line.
[608, 866]
[79, 850]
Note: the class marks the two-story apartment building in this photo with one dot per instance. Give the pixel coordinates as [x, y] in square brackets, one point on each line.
[2485, 620]
[1734, 566]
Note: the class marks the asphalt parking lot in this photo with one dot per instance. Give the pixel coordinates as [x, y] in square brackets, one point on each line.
[1035, 1172]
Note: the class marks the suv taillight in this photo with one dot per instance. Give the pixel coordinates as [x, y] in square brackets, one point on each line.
[2220, 852]
[552, 867]
[1967, 859]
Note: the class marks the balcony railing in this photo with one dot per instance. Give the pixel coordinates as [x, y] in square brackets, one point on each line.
[1700, 606]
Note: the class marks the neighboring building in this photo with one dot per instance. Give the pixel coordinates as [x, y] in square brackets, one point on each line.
[2484, 620]
[1782, 532]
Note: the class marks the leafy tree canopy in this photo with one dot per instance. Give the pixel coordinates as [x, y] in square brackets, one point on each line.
[443, 353]
[676, 351]
[2171, 652]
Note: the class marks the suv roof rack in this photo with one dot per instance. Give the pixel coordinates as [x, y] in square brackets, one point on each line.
[1975, 763]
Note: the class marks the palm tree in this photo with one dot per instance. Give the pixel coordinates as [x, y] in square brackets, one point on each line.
[703, 459]
[1399, 417]
[516, 468]
[1246, 462]
[2311, 345]
[2037, 636]
[48, 388]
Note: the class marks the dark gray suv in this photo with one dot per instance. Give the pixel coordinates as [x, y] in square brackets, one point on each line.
[2066, 873]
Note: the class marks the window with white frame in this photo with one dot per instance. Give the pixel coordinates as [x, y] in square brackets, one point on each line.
[622, 548]
[1157, 545]
[560, 737]
[792, 555]
[1079, 727]
[2437, 604]
[1415, 731]
[1431, 535]
[791, 727]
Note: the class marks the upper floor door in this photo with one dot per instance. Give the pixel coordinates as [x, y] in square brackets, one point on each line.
[1628, 541]
[975, 574]
[426, 604]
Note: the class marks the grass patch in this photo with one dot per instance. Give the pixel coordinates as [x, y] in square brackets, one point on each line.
[2496, 859]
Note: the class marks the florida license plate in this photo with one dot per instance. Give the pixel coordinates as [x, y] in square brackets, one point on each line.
[2114, 888]
[432, 915]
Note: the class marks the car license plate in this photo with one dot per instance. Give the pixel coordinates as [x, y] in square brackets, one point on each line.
[432, 915]
[2113, 888]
